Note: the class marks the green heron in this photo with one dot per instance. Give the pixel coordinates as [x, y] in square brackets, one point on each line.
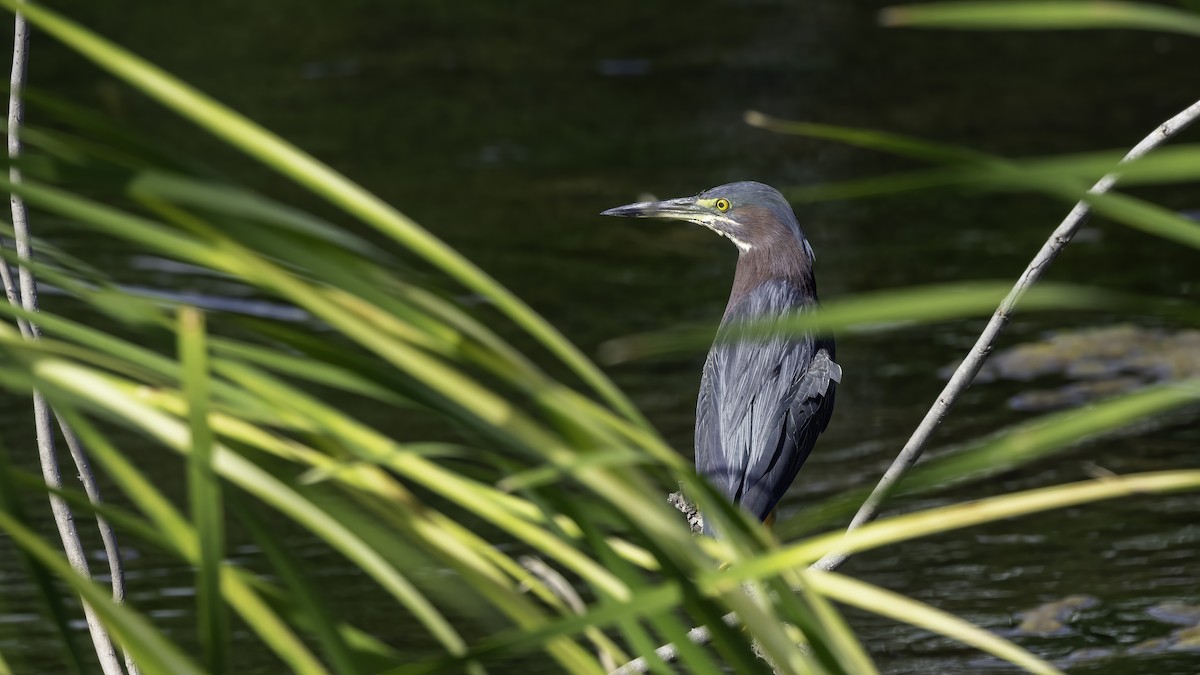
[763, 401]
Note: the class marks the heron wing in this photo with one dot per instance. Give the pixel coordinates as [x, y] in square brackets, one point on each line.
[763, 403]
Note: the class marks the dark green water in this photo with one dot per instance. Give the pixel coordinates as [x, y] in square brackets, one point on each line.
[506, 129]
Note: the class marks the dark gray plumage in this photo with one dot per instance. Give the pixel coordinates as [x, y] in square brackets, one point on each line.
[762, 401]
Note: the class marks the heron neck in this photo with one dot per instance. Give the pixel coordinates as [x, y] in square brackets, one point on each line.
[777, 258]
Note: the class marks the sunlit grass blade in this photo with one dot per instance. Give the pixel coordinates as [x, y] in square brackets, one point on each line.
[1048, 15]
[377, 448]
[237, 587]
[1170, 164]
[172, 525]
[285, 158]
[257, 615]
[495, 414]
[123, 356]
[204, 491]
[117, 223]
[876, 600]
[520, 641]
[95, 390]
[829, 627]
[1024, 443]
[948, 518]
[875, 311]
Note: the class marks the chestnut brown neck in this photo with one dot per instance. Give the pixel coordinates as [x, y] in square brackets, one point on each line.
[775, 253]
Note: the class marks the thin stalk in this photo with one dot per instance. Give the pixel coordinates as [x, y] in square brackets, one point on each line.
[26, 297]
[969, 368]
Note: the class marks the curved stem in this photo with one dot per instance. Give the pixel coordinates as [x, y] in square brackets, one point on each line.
[26, 297]
[969, 368]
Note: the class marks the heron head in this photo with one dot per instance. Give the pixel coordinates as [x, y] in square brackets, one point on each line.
[748, 213]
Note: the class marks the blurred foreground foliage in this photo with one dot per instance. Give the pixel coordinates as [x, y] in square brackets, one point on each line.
[263, 415]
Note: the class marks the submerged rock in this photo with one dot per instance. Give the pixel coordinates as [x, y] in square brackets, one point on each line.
[1097, 362]
[1179, 613]
[1052, 618]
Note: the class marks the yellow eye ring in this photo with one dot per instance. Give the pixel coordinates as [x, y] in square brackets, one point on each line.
[722, 205]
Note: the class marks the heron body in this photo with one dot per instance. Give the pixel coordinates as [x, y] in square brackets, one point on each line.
[764, 399]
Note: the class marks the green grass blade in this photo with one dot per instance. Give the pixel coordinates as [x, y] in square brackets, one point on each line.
[302, 592]
[1049, 15]
[136, 487]
[372, 654]
[1021, 444]
[243, 204]
[377, 448]
[1151, 218]
[204, 491]
[285, 158]
[267, 625]
[237, 586]
[876, 600]
[874, 311]
[152, 652]
[945, 519]
[102, 392]
[871, 139]
[823, 624]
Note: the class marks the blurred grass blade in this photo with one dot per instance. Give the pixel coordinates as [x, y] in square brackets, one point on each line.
[1165, 165]
[830, 627]
[152, 652]
[204, 490]
[871, 139]
[877, 310]
[285, 158]
[1037, 438]
[89, 122]
[42, 578]
[232, 201]
[235, 587]
[876, 600]
[948, 518]
[1049, 15]
[370, 652]
[1019, 445]
[1148, 217]
[135, 486]
[259, 616]
[303, 593]
[100, 391]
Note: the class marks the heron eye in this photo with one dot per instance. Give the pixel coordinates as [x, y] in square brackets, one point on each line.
[722, 205]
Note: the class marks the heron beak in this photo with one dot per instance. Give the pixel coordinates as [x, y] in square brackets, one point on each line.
[684, 208]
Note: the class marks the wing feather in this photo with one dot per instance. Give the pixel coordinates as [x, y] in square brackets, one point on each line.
[763, 402]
